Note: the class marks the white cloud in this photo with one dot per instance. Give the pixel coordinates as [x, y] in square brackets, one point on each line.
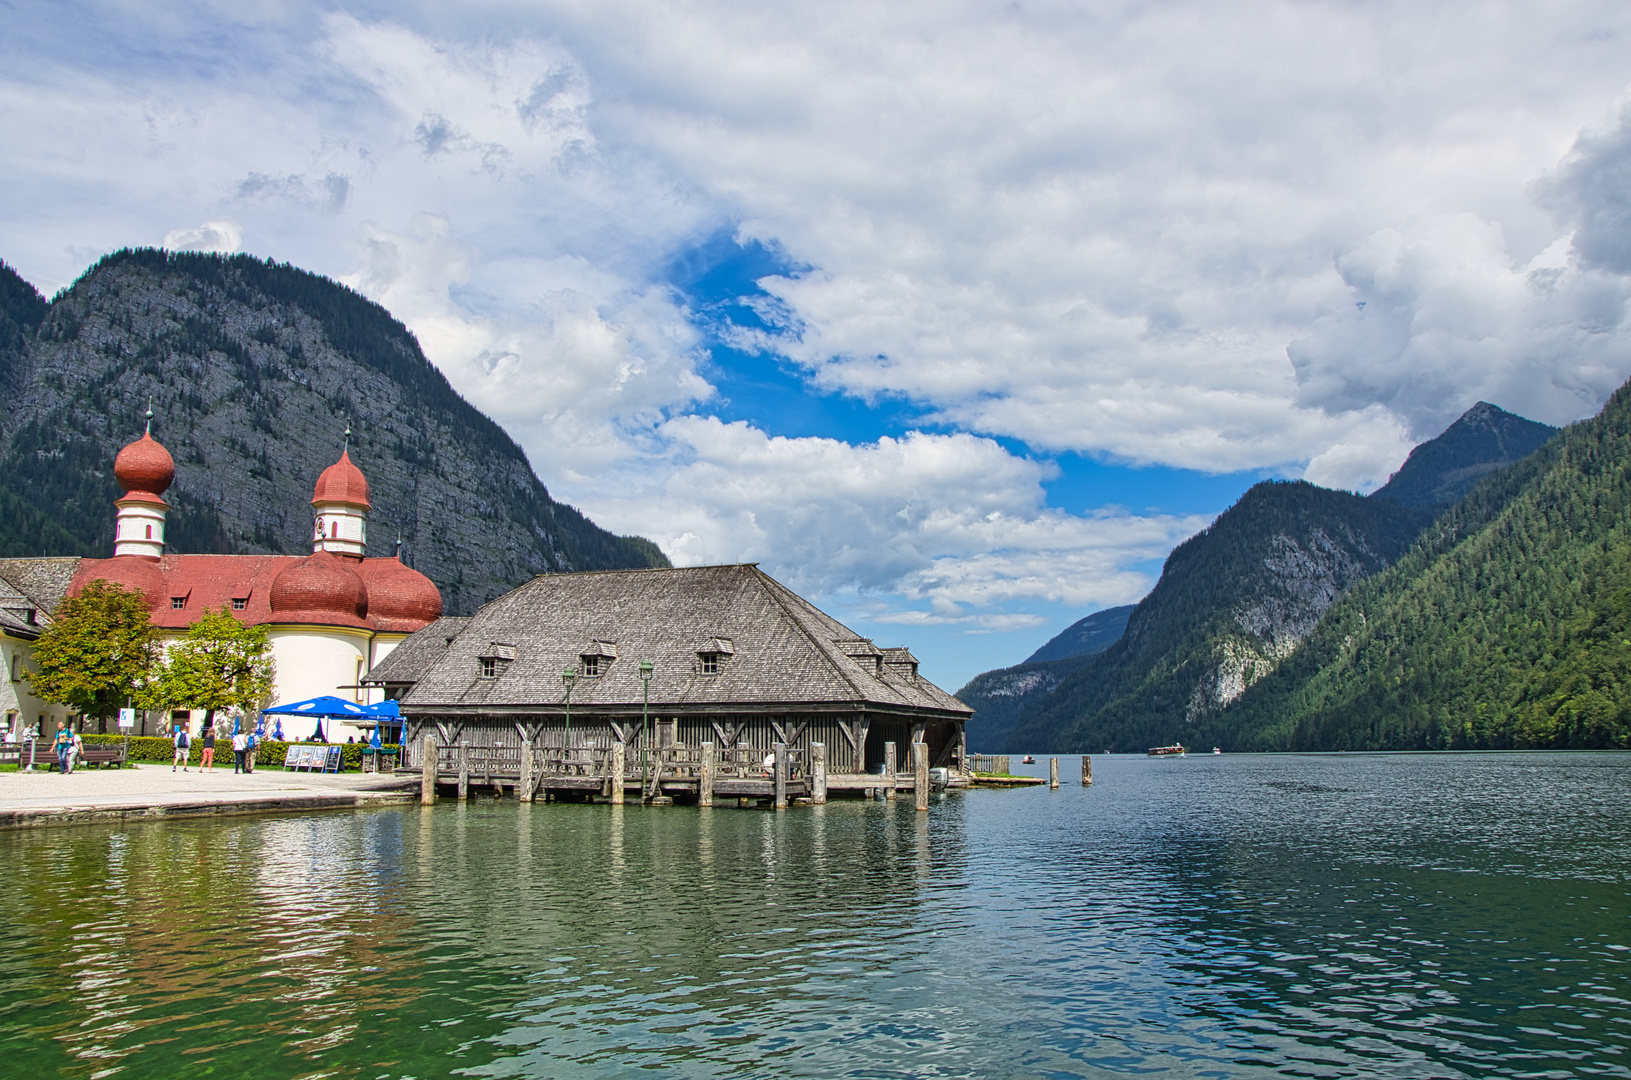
[223, 237]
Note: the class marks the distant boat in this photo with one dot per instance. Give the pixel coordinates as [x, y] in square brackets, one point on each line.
[1175, 750]
[1027, 760]
[1215, 750]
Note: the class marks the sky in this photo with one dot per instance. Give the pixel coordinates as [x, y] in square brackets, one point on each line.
[955, 317]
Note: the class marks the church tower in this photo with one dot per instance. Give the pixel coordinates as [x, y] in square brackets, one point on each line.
[341, 505]
[145, 470]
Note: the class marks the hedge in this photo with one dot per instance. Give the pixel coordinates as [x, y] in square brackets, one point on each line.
[268, 753]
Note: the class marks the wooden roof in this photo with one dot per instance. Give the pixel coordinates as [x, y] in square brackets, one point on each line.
[784, 650]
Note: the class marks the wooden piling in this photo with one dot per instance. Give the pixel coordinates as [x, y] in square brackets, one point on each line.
[705, 776]
[1087, 771]
[1053, 772]
[890, 769]
[779, 752]
[464, 771]
[617, 774]
[524, 785]
[920, 773]
[427, 773]
[818, 773]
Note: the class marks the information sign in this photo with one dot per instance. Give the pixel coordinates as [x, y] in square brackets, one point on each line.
[127, 718]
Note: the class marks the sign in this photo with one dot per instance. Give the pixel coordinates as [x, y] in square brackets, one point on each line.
[127, 718]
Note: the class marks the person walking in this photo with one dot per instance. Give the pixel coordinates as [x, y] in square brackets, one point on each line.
[183, 747]
[76, 749]
[249, 752]
[240, 743]
[207, 741]
[63, 746]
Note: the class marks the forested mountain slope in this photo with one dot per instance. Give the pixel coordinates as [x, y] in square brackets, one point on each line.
[1232, 603]
[1507, 625]
[1000, 697]
[253, 369]
[1440, 471]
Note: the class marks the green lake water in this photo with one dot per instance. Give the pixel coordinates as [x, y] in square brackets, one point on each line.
[1457, 915]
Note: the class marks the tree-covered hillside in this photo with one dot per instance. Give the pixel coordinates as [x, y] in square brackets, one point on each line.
[253, 369]
[1507, 625]
[1232, 603]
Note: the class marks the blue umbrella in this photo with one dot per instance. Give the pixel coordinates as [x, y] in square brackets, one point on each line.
[325, 706]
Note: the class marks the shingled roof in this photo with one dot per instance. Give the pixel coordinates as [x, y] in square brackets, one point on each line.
[410, 660]
[769, 646]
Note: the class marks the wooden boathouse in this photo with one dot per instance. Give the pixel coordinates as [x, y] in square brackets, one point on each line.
[695, 684]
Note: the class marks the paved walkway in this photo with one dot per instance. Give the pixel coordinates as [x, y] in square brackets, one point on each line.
[145, 791]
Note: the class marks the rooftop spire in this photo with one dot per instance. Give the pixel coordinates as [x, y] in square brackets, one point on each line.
[150, 416]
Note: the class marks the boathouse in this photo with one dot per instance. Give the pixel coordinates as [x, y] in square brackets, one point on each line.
[600, 681]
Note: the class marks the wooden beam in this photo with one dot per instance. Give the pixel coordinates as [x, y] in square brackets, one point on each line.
[890, 773]
[920, 773]
[617, 773]
[427, 773]
[818, 773]
[705, 776]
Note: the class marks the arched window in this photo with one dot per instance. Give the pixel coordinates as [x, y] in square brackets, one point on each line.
[150, 532]
[334, 529]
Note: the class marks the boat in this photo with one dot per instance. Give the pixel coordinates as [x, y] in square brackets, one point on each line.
[1027, 760]
[1175, 750]
[1216, 750]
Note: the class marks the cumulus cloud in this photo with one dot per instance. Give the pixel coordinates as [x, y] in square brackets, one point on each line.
[223, 237]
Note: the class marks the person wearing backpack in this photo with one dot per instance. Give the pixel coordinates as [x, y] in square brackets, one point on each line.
[64, 745]
[249, 752]
[183, 747]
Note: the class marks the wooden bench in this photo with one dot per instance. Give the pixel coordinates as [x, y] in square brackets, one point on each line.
[45, 755]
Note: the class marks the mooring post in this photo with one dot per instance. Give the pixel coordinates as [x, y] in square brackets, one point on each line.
[524, 781]
[464, 771]
[818, 773]
[705, 776]
[1053, 772]
[920, 773]
[1087, 771]
[427, 773]
[617, 774]
[780, 752]
[889, 770]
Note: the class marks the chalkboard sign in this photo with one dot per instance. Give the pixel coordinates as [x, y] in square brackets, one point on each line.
[336, 758]
[320, 758]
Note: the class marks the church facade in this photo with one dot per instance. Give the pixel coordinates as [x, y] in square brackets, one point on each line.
[330, 616]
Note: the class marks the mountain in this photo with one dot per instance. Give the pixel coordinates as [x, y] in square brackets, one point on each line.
[1000, 697]
[1085, 637]
[1507, 625]
[1440, 471]
[1232, 603]
[253, 369]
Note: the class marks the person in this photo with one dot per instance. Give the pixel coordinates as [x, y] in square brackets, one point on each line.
[249, 752]
[207, 741]
[64, 743]
[76, 748]
[183, 747]
[240, 743]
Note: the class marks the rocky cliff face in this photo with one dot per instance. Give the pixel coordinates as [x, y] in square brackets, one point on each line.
[253, 371]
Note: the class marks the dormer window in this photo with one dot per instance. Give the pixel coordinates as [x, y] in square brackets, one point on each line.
[710, 663]
[591, 666]
[495, 659]
[596, 659]
[239, 603]
[177, 603]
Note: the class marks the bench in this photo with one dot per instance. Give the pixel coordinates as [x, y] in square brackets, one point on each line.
[45, 755]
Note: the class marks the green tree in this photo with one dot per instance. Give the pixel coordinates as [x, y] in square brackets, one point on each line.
[220, 664]
[96, 652]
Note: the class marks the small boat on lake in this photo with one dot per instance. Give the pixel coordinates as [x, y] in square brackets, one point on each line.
[1027, 760]
[1216, 750]
[1175, 750]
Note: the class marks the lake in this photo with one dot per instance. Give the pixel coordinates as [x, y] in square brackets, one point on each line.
[1454, 915]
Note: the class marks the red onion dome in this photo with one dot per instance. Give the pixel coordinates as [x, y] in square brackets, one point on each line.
[320, 589]
[400, 597]
[342, 482]
[145, 466]
[139, 572]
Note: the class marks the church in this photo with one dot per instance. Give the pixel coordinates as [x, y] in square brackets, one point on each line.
[330, 616]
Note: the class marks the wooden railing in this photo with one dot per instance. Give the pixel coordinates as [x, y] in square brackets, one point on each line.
[988, 763]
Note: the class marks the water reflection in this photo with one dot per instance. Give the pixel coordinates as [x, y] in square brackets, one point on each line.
[1422, 917]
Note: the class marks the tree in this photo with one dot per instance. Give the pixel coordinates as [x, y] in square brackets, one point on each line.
[96, 652]
[220, 664]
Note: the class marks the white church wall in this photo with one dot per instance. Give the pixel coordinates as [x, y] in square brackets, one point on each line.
[316, 660]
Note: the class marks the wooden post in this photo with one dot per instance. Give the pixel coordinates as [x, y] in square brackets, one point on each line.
[524, 783]
[427, 773]
[1087, 770]
[617, 774]
[464, 771]
[889, 770]
[1053, 772]
[920, 773]
[705, 776]
[818, 773]
[779, 750]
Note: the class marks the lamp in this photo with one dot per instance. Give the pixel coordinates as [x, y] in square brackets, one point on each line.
[568, 677]
[645, 725]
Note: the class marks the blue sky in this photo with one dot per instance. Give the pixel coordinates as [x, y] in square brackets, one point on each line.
[955, 318]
